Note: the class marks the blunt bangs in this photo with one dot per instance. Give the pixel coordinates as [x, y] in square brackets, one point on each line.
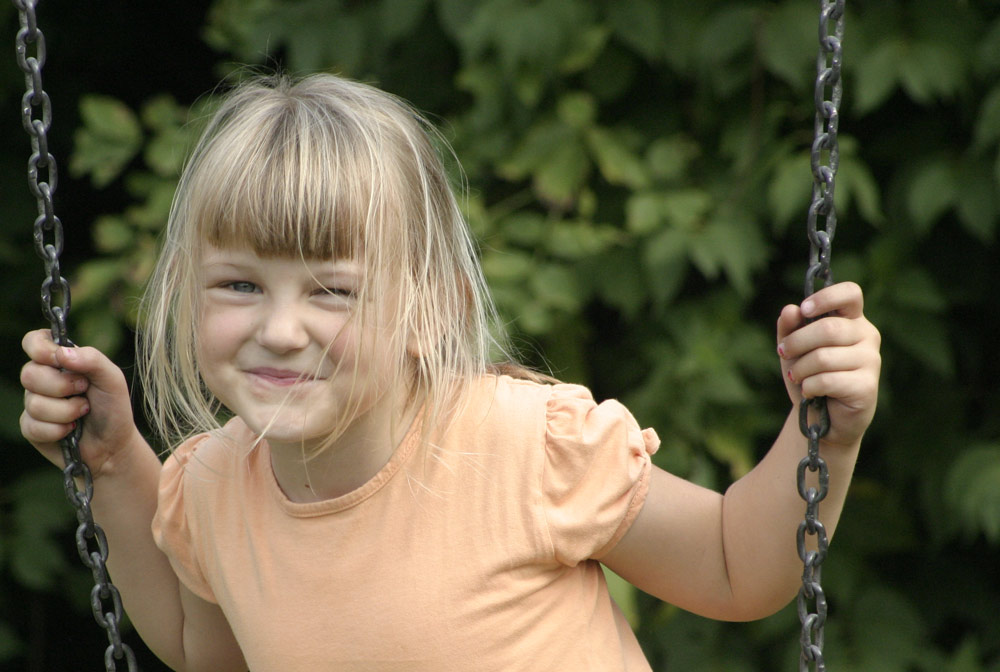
[283, 179]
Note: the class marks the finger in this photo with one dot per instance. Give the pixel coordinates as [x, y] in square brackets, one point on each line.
[829, 332]
[853, 388]
[39, 347]
[826, 361]
[845, 299]
[789, 320]
[94, 365]
[55, 410]
[52, 382]
[43, 435]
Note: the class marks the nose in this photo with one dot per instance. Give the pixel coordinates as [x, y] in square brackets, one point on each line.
[281, 327]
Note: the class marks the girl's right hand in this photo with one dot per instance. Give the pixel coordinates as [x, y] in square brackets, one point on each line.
[61, 385]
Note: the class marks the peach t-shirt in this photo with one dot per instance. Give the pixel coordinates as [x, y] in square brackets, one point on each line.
[476, 551]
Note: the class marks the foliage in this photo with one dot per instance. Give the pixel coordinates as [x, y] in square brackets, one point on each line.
[639, 176]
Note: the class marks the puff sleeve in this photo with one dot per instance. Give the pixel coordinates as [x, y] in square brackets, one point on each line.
[174, 530]
[596, 473]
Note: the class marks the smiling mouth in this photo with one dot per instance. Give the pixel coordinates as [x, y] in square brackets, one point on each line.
[281, 377]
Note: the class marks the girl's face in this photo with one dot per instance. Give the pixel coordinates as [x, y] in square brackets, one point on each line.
[279, 344]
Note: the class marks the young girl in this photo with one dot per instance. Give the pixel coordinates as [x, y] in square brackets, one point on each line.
[377, 494]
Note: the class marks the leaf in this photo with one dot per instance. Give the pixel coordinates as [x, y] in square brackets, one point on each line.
[914, 288]
[987, 128]
[976, 200]
[790, 190]
[95, 278]
[574, 240]
[685, 208]
[644, 212]
[727, 35]
[789, 44]
[966, 658]
[162, 113]
[397, 18]
[577, 110]
[40, 509]
[616, 278]
[889, 632]
[668, 158]
[877, 74]
[932, 191]
[112, 234]
[505, 267]
[10, 644]
[665, 260]
[101, 328]
[859, 185]
[108, 140]
[524, 228]
[930, 71]
[639, 24]
[618, 163]
[166, 151]
[36, 561]
[731, 449]
[538, 145]
[732, 244]
[556, 287]
[972, 490]
[930, 344]
[562, 174]
[587, 46]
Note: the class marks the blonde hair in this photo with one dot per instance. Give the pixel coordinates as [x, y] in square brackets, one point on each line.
[322, 168]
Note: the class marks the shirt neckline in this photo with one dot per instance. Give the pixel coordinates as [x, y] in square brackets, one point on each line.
[348, 500]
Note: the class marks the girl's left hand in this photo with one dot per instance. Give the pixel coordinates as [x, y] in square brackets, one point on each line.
[836, 356]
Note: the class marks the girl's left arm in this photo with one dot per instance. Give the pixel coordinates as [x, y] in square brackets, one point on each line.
[734, 556]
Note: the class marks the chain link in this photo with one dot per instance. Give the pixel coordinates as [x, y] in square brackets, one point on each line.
[36, 117]
[812, 605]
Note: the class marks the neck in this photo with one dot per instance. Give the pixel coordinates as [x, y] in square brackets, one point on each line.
[349, 462]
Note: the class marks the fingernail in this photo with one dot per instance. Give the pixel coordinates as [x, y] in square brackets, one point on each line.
[790, 376]
[808, 306]
[67, 353]
[85, 409]
[80, 385]
[781, 350]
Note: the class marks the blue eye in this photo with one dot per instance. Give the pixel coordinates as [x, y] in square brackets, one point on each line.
[242, 286]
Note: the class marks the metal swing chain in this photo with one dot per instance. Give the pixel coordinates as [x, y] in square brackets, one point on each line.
[812, 604]
[91, 542]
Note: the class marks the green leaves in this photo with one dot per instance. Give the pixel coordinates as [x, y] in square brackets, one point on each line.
[639, 179]
[109, 138]
[105, 289]
[972, 491]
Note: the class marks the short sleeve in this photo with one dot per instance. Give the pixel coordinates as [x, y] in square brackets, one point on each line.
[596, 472]
[173, 528]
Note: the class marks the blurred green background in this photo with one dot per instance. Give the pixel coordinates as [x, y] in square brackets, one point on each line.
[638, 178]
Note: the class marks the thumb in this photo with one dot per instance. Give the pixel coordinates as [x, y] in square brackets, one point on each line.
[92, 363]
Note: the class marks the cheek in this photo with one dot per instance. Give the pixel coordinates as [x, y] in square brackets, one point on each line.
[219, 336]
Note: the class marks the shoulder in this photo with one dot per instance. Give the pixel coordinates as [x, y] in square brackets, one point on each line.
[210, 453]
[504, 390]
[559, 414]
[519, 402]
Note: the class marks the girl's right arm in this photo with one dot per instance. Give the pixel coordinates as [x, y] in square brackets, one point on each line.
[61, 386]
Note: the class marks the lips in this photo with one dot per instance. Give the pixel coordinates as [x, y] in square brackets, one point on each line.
[280, 377]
